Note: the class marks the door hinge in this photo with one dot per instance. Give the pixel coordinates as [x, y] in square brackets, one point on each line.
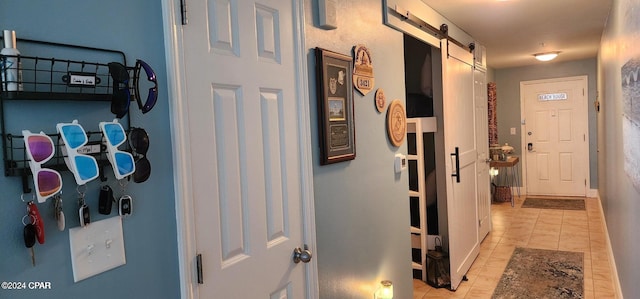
[183, 11]
[199, 268]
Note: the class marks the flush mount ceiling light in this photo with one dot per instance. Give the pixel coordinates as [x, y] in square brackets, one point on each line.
[546, 56]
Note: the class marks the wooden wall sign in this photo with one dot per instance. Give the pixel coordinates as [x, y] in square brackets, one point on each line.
[396, 123]
[363, 79]
[380, 100]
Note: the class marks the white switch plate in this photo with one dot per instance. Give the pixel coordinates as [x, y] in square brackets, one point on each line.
[96, 247]
[513, 131]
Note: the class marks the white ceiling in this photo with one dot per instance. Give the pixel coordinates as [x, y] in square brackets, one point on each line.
[513, 30]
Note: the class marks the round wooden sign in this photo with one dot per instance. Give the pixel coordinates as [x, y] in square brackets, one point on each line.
[396, 123]
[380, 100]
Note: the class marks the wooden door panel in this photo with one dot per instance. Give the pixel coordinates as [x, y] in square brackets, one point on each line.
[482, 146]
[459, 132]
[245, 162]
[555, 113]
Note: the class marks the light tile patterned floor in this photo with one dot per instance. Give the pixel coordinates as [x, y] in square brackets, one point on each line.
[535, 228]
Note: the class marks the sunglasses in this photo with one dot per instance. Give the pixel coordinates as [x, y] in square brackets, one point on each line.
[121, 161]
[121, 95]
[139, 142]
[83, 167]
[152, 96]
[39, 150]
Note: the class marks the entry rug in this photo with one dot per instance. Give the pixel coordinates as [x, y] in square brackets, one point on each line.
[539, 273]
[554, 203]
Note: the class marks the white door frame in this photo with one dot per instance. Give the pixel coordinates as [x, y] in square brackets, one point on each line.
[523, 142]
[180, 138]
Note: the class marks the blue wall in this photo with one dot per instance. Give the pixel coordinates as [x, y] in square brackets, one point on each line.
[361, 206]
[620, 198]
[508, 89]
[134, 27]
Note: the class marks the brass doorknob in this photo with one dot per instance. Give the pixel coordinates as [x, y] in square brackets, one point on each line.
[302, 255]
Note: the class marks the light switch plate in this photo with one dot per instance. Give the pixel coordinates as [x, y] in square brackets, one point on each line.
[513, 131]
[96, 248]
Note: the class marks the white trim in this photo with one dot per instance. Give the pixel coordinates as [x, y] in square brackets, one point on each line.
[593, 193]
[523, 141]
[305, 154]
[180, 139]
[612, 261]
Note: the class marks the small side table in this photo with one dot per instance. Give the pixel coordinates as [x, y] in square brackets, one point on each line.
[511, 174]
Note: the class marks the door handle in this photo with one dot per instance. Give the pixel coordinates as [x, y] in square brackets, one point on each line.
[302, 255]
[457, 173]
[530, 147]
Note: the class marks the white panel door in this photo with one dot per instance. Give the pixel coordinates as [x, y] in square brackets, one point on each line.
[459, 136]
[482, 145]
[555, 136]
[245, 163]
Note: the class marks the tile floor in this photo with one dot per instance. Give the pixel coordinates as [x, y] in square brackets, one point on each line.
[535, 228]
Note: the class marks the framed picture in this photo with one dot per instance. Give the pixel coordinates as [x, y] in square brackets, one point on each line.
[335, 107]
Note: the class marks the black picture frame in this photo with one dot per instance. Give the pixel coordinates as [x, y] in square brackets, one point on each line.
[336, 124]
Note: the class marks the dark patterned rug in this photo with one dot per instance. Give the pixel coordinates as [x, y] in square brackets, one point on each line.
[554, 203]
[539, 273]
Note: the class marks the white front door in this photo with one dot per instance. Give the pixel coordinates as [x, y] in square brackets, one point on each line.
[555, 147]
[459, 137]
[246, 161]
[482, 145]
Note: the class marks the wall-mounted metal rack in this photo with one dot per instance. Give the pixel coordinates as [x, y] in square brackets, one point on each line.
[51, 79]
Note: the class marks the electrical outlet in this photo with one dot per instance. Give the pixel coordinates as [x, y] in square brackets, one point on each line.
[96, 248]
[513, 131]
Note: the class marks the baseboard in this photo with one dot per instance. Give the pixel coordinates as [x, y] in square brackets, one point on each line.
[593, 193]
[612, 261]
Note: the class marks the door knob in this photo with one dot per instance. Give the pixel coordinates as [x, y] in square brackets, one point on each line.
[302, 255]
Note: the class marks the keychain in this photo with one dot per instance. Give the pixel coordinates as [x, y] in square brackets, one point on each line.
[106, 200]
[30, 229]
[32, 210]
[58, 213]
[125, 202]
[29, 235]
[83, 211]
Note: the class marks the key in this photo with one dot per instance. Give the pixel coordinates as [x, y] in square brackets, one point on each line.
[37, 221]
[83, 211]
[106, 200]
[124, 205]
[29, 234]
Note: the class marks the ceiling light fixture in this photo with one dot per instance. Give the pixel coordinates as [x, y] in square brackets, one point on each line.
[546, 56]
